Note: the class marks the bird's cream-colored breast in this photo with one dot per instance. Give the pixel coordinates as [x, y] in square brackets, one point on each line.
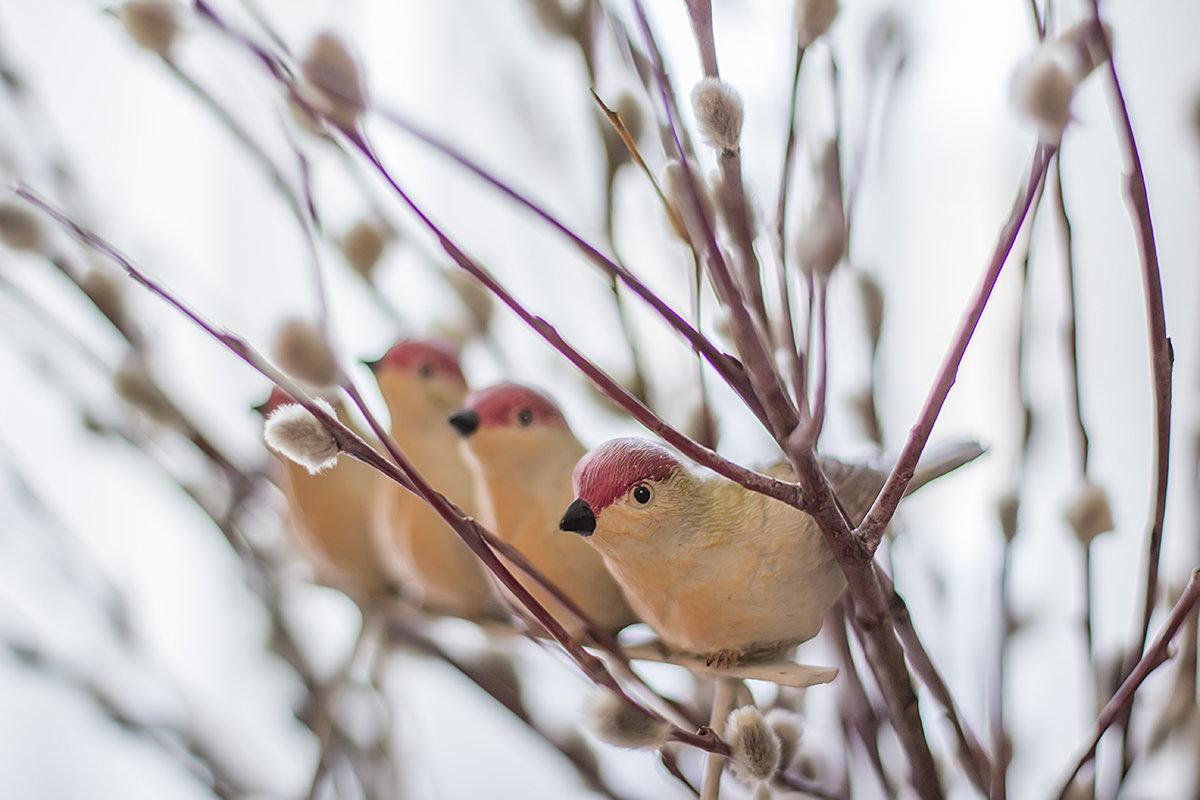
[724, 570]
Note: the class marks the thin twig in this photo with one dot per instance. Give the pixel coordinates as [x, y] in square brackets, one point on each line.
[1000, 735]
[971, 755]
[1160, 345]
[324, 724]
[405, 632]
[855, 706]
[870, 531]
[179, 741]
[789, 149]
[1071, 336]
[1155, 656]
[671, 765]
[714, 764]
[1070, 325]
[1161, 355]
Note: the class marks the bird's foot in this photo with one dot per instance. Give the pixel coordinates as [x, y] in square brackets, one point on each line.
[722, 658]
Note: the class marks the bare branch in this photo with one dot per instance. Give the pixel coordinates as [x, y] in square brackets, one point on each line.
[1154, 657]
[870, 531]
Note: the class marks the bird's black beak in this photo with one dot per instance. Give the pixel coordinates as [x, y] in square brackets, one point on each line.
[371, 365]
[578, 518]
[465, 421]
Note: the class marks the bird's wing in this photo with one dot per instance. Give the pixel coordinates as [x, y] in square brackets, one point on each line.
[857, 485]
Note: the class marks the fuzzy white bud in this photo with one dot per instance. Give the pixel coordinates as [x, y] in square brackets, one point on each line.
[1089, 513]
[702, 425]
[616, 151]
[580, 752]
[553, 18]
[151, 23]
[788, 728]
[1043, 88]
[363, 246]
[105, 294]
[500, 667]
[457, 333]
[1008, 507]
[301, 350]
[330, 69]
[754, 747]
[476, 300]
[134, 384]
[872, 304]
[629, 109]
[615, 721]
[293, 432]
[19, 228]
[821, 241]
[684, 220]
[1196, 116]
[719, 113]
[814, 18]
[1086, 46]
[299, 100]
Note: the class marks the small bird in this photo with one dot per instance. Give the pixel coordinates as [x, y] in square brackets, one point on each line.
[718, 571]
[330, 514]
[422, 383]
[522, 452]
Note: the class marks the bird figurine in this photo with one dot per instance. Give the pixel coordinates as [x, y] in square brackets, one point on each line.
[330, 515]
[522, 452]
[718, 571]
[422, 383]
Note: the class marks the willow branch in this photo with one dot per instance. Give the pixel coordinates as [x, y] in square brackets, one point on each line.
[781, 415]
[1155, 656]
[1161, 355]
[870, 531]
[971, 755]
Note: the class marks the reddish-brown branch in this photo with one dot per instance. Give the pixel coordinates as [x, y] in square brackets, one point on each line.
[1161, 356]
[855, 706]
[870, 531]
[400, 629]
[789, 155]
[700, 14]
[1154, 656]
[971, 755]
[1071, 331]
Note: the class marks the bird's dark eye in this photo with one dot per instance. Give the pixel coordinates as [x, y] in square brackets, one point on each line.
[525, 417]
[425, 370]
[641, 493]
